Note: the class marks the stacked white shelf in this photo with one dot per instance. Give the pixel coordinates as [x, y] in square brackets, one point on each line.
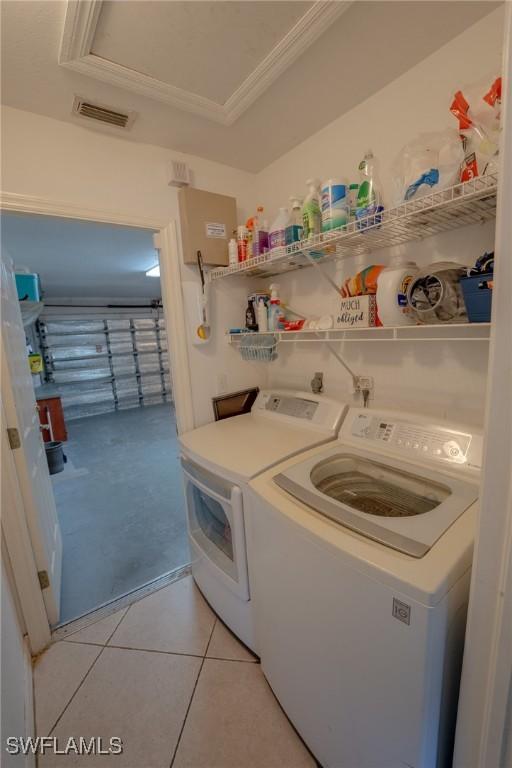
[468, 203]
[421, 333]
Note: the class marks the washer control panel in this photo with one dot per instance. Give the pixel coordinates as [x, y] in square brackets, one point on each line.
[432, 442]
[297, 407]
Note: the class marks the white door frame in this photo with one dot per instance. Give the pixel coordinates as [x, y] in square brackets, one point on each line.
[166, 243]
[487, 668]
[14, 525]
[19, 547]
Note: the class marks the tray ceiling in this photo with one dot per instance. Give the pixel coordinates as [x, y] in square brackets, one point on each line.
[331, 76]
[210, 58]
[206, 48]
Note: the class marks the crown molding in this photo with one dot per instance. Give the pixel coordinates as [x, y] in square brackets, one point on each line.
[297, 40]
[150, 87]
[80, 24]
[82, 17]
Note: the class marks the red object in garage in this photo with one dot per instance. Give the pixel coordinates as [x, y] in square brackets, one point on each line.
[51, 414]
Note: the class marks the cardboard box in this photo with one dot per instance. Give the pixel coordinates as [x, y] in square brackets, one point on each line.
[207, 223]
[357, 312]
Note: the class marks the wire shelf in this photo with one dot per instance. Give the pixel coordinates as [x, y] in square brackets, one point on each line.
[445, 332]
[472, 202]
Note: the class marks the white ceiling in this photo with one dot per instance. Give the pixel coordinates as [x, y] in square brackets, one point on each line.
[77, 259]
[187, 36]
[236, 82]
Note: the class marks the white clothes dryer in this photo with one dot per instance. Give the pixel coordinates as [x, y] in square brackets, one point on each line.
[218, 460]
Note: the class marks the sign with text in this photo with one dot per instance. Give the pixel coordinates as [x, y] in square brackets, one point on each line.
[357, 312]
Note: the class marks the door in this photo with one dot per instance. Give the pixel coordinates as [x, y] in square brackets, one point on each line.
[30, 458]
[484, 724]
[216, 526]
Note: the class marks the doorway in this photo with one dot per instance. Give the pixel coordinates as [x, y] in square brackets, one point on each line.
[102, 341]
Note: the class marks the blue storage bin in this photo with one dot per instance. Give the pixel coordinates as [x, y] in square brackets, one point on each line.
[28, 286]
[477, 291]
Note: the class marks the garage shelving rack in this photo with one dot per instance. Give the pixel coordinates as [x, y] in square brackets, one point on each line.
[471, 202]
[98, 373]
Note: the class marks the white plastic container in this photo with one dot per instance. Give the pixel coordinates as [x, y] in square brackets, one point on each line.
[233, 252]
[277, 235]
[392, 286]
[262, 316]
[275, 312]
[335, 204]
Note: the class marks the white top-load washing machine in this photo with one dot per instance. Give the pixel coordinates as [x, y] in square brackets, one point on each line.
[360, 559]
[218, 460]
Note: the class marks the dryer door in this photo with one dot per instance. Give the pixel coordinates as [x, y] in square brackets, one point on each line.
[216, 525]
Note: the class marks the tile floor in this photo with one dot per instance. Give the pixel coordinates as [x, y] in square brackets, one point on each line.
[121, 506]
[168, 678]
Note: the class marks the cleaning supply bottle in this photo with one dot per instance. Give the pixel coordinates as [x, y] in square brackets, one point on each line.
[242, 236]
[262, 316]
[369, 200]
[311, 211]
[250, 316]
[275, 312]
[353, 191]
[253, 227]
[277, 236]
[392, 285]
[264, 237]
[260, 234]
[233, 252]
[335, 204]
[294, 229]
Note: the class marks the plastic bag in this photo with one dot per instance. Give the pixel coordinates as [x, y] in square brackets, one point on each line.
[478, 110]
[435, 294]
[363, 282]
[429, 163]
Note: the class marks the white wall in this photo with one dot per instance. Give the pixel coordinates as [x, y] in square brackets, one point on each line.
[58, 161]
[51, 159]
[16, 672]
[445, 380]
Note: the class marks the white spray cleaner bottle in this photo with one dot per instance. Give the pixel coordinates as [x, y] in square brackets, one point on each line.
[274, 311]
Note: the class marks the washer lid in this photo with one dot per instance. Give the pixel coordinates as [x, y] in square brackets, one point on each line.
[403, 506]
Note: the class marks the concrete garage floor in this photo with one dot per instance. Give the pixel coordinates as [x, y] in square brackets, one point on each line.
[121, 506]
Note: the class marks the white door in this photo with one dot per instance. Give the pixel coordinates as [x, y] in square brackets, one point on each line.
[30, 459]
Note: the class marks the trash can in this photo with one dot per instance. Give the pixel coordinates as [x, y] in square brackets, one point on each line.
[55, 456]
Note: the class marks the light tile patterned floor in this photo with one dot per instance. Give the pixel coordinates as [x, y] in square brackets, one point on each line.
[168, 678]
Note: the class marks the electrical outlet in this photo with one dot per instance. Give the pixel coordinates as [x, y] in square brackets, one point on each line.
[364, 385]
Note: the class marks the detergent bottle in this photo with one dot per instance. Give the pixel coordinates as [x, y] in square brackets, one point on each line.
[294, 230]
[277, 236]
[392, 285]
[259, 233]
[311, 211]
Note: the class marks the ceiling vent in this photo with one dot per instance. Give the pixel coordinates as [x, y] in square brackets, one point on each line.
[102, 114]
